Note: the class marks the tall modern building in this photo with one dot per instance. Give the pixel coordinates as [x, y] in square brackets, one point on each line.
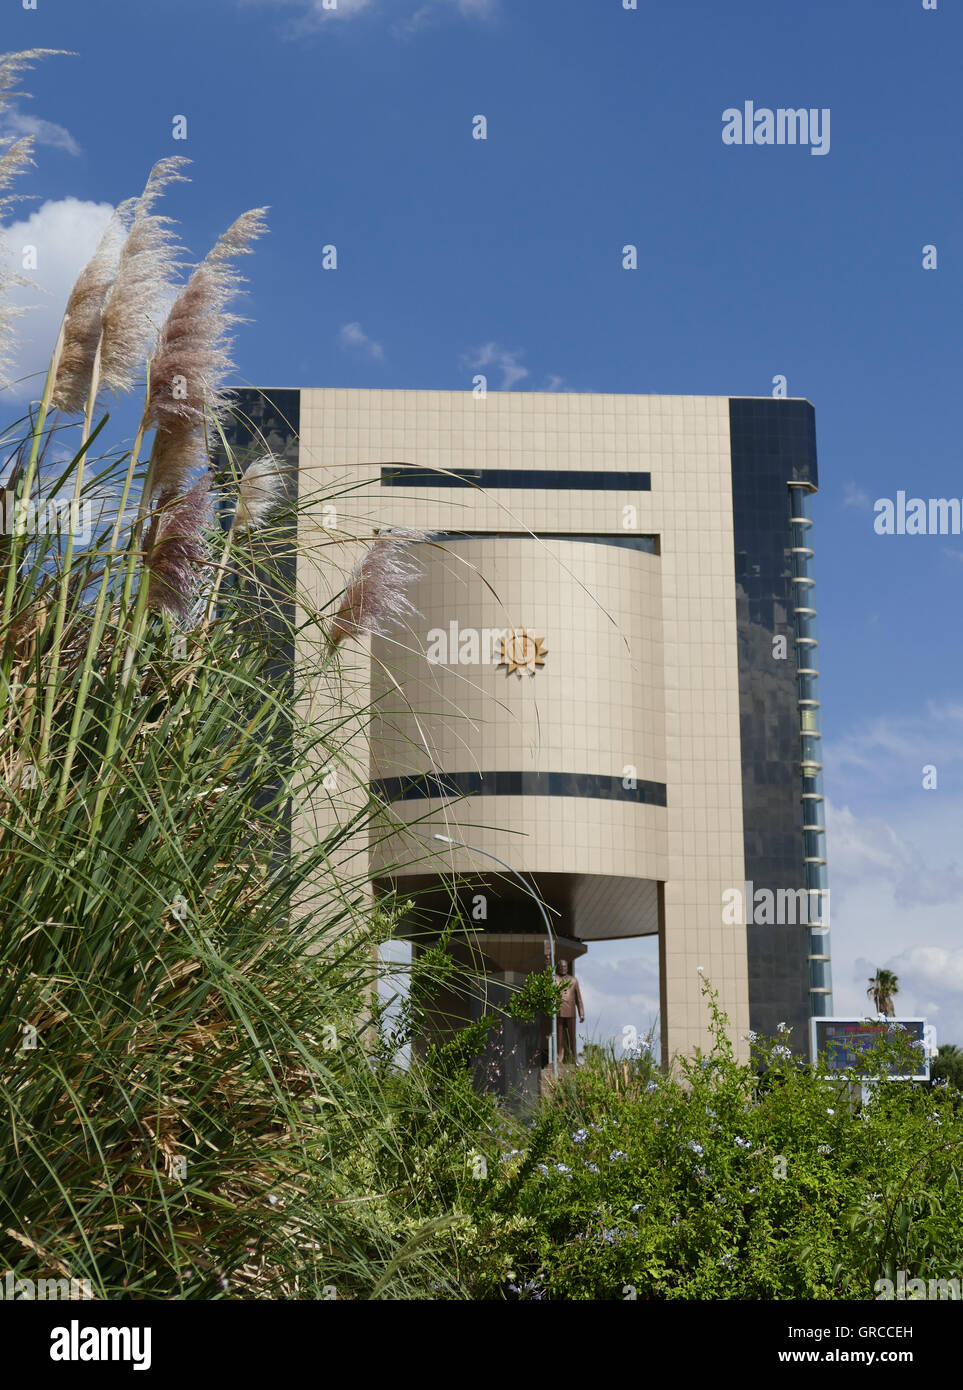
[608, 681]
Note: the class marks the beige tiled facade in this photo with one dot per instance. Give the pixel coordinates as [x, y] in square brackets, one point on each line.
[640, 676]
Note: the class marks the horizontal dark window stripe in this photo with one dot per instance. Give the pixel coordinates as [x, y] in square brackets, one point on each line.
[648, 544]
[590, 785]
[396, 475]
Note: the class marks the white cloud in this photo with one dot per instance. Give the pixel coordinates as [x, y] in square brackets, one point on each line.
[897, 906]
[895, 861]
[14, 125]
[862, 848]
[65, 234]
[934, 966]
[421, 19]
[503, 360]
[930, 984]
[854, 496]
[311, 14]
[892, 752]
[353, 336]
[314, 12]
[346, 9]
[619, 981]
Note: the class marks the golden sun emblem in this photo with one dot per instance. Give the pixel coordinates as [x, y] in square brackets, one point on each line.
[522, 651]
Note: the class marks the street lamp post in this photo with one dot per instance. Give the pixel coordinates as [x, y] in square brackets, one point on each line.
[553, 1039]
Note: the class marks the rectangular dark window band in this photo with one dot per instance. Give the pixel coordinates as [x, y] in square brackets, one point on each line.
[648, 545]
[549, 479]
[589, 785]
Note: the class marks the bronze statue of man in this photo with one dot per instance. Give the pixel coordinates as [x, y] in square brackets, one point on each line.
[565, 1022]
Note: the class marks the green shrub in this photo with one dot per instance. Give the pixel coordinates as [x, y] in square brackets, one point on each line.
[768, 1180]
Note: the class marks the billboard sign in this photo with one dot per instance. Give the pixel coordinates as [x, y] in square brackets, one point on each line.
[844, 1040]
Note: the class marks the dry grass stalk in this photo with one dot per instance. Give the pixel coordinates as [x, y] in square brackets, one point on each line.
[85, 309]
[193, 351]
[13, 64]
[375, 596]
[145, 273]
[13, 161]
[260, 491]
[177, 548]
[180, 448]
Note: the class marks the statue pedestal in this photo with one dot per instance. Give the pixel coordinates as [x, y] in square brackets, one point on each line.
[547, 1078]
[516, 1051]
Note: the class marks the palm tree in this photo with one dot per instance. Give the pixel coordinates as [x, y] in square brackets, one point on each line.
[883, 986]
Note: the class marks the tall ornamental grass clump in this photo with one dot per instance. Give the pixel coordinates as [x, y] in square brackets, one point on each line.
[189, 1107]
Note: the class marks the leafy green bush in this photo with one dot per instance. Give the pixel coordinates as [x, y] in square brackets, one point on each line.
[725, 1181]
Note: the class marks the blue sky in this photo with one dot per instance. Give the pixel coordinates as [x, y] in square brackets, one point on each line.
[604, 128]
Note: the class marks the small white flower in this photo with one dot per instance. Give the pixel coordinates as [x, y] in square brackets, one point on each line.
[830, 1112]
[742, 1143]
[579, 1136]
[616, 1156]
[825, 1149]
[696, 1148]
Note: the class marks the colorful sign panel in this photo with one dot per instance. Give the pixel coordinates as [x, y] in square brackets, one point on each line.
[844, 1040]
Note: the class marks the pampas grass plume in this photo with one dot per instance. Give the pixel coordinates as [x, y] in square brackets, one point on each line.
[261, 490]
[193, 351]
[85, 314]
[177, 548]
[375, 596]
[143, 284]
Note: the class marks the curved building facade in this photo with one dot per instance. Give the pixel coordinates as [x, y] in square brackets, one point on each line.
[563, 757]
